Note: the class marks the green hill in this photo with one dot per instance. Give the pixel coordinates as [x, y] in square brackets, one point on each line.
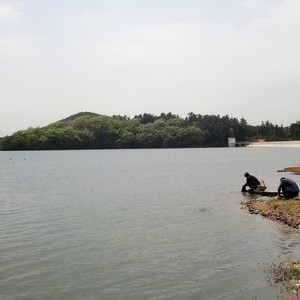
[80, 114]
[88, 130]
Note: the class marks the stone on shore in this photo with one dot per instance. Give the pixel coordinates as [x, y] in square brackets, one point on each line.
[284, 211]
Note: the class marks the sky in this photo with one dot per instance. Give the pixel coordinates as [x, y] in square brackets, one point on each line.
[224, 57]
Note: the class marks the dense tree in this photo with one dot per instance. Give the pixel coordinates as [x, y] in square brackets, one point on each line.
[94, 131]
[146, 118]
[295, 131]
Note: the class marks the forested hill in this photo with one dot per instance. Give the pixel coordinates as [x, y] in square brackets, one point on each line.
[87, 130]
[80, 114]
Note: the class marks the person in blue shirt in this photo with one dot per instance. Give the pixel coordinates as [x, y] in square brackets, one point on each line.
[288, 187]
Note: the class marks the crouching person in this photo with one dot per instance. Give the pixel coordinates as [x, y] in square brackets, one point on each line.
[251, 181]
[288, 187]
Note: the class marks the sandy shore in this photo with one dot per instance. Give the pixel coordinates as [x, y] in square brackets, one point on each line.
[291, 144]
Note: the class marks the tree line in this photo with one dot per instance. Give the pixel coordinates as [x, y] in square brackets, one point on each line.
[93, 131]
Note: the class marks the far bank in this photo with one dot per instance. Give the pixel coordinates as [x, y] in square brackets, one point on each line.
[291, 144]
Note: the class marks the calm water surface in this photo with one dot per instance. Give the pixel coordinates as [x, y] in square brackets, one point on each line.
[139, 224]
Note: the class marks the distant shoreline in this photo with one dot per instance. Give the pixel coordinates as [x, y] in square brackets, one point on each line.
[288, 144]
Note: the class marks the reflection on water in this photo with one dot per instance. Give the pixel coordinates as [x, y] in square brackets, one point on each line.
[138, 224]
[288, 242]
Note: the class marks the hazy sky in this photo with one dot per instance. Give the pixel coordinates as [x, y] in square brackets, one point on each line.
[235, 57]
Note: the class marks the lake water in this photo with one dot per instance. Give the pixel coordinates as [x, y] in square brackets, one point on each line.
[139, 224]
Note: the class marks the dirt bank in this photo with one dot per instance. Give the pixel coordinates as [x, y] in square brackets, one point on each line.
[284, 211]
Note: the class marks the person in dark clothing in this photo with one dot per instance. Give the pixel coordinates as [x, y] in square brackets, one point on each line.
[252, 182]
[289, 188]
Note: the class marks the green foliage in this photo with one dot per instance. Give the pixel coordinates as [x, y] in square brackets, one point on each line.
[295, 131]
[94, 131]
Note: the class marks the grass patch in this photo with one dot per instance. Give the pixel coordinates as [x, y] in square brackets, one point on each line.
[288, 206]
[285, 211]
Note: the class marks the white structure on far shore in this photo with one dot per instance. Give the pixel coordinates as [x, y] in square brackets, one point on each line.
[231, 142]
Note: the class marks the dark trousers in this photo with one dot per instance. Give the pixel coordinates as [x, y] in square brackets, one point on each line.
[289, 194]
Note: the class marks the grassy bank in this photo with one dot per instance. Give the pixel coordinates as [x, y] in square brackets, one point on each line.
[286, 274]
[285, 211]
